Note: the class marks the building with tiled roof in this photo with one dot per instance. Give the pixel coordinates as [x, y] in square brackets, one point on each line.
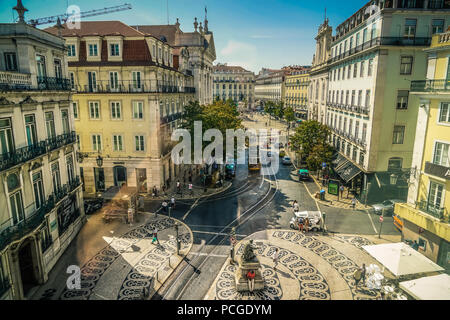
[234, 82]
[130, 89]
[198, 52]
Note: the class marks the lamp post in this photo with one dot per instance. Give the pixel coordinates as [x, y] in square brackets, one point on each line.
[381, 222]
[324, 231]
[176, 237]
[99, 161]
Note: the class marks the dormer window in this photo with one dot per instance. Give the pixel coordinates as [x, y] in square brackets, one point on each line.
[114, 49]
[93, 51]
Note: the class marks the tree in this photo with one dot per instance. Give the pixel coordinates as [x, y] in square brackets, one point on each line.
[310, 139]
[289, 114]
[279, 110]
[320, 153]
[269, 108]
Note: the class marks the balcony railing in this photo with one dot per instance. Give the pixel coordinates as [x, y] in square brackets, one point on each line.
[12, 232]
[432, 209]
[143, 86]
[4, 286]
[172, 117]
[383, 41]
[430, 85]
[22, 155]
[14, 81]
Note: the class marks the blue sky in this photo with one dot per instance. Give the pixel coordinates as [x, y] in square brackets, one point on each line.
[250, 33]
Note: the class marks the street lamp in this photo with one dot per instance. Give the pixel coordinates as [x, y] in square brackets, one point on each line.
[393, 179]
[176, 238]
[99, 161]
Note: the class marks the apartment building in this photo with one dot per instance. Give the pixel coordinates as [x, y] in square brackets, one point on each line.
[197, 49]
[296, 92]
[425, 216]
[40, 189]
[269, 85]
[129, 94]
[235, 83]
[375, 55]
[318, 87]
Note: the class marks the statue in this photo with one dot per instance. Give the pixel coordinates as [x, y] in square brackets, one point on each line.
[248, 254]
[249, 264]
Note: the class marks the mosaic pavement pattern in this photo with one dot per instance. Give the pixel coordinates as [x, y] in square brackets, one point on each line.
[357, 241]
[341, 263]
[140, 274]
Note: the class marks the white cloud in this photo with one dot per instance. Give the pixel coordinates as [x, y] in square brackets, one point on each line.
[237, 53]
[234, 48]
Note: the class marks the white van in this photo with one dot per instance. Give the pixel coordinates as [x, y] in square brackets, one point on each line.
[314, 217]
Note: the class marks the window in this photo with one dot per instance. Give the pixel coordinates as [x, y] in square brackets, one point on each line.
[56, 177]
[367, 102]
[117, 143]
[357, 39]
[114, 80]
[353, 97]
[10, 61]
[373, 33]
[351, 42]
[94, 110]
[361, 73]
[17, 211]
[92, 81]
[395, 164]
[40, 64]
[30, 127]
[350, 126]
[356, 129]
[355, 153]
[370, 68]
[138, 110]
[96, 142]
[70, 170]
[361, 158]
[355, 70]
[444, 112]
[399, 134]
[93, 50]
[435, 195]
[348, 149]
[136, 76]
[441, 154]
[364, 36]
[410, 28]
[116, 110]
[58, 68]
[154, 51]
[349, 74]
[139, 143]
[78, 142]
[402, 99]
[75, 110]
[6, 136]
[72, 80]
[359, 98]
[347, 95]
[50, 125]
[437, 26]
[114, 49]
[65, 121]
[406, 65]
[38, 188]
[72, 52]
[364, 132]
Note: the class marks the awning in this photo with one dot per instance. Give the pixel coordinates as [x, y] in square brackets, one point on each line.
[339, 161]
[348, 171]
[428, 288]
[401, 259]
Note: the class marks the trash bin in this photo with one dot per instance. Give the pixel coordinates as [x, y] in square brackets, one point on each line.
[322, 195]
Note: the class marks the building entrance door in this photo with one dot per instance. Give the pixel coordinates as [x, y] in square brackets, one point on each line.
[141, 176]
[27, 267]
[99, 175]
[120, 176]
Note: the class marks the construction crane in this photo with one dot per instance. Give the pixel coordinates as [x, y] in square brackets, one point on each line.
[64, 17]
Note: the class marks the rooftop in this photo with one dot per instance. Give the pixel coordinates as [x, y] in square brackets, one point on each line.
[98, 28]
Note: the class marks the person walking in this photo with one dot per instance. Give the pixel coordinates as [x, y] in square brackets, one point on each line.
[155, 191]
[155, 236]
[164, 206]
[306, 222]
[275, 258]
[354, 202]
[191, 191]
[251, 280]
[363, 274]
[300, 224]
[172, 203]
[357, 276]
[296, 206]
[341, 189]
[178, 187]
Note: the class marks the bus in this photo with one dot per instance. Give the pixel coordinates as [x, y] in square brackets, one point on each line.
[254, 167]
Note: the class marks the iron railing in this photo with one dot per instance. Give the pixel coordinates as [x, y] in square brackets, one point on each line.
[432, 209]
[51, 83]
[16, 231]
[430, 85]
[124, 86]
[22, 155]
[14, 81]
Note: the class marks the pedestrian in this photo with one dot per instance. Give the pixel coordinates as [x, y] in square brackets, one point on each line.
[191, 191]
[363, 274]
[275, 258]
[155, 236]
[354, 202]
[164, 206]
[155, 191]
[357, 276]
[172, 203]
[251, 280]
[306, 222]
[300, 224]
[164, 189]
[178, 186]
[341, 189]
[296, 206]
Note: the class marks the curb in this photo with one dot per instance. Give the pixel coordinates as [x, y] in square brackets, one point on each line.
[150, 198]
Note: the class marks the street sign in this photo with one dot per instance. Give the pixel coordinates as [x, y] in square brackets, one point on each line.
[324, 165]
[381, 219]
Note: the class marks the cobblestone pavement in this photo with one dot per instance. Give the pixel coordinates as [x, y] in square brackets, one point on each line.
[311, 267]
[121, 269]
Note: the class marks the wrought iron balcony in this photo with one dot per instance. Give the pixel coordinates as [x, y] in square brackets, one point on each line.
[4, 286]
[142, 86]
[15, 81]
[51, 83]
[22, 155]
[433, 210]
[430, 85]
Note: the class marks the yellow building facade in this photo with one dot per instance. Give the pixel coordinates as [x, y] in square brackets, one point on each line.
[425, 217]
[128, 98]
[296, 93]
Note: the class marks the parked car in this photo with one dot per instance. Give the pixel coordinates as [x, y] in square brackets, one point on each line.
[303, 174]
[92, 205]
[286, 160]
[314, 217]
[282, 153]
[388, 206]
[230, 171]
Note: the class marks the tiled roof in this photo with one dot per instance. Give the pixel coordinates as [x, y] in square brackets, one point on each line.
[158, 31]
[98, 28]
[223, 68]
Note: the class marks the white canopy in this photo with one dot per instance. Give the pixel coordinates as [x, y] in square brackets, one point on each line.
[401, 259]
[428, 288]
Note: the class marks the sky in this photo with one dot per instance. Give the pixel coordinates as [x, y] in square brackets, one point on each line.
[250, 33]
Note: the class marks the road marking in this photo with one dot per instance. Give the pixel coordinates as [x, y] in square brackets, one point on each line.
[370, 218]
[218, 233]
[211, 255]
[190, 209]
